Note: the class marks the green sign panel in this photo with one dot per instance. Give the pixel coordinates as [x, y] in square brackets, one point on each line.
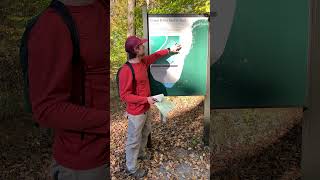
[182, 74]
[259, 53]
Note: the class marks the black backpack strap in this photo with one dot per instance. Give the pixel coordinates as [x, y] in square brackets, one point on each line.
[62, 10]
[117, 80]
[24, 61]
[66, 16]
[133, 76]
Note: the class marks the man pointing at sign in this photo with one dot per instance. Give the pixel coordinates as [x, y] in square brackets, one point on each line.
[135, 91]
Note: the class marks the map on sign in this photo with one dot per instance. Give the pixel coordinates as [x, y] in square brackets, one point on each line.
[174, 67]
[183, 73]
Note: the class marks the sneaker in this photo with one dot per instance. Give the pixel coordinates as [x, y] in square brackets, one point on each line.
[140, 173]
[145, 157]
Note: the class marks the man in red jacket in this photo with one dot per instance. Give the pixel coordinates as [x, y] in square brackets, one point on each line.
[138, 100]
[81, 133]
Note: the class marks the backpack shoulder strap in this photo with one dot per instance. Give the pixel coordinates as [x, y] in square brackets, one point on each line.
[23, 55]
[62, 10]
[132, 71]
[133, 77]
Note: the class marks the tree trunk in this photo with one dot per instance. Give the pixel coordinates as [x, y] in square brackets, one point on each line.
[131, 26]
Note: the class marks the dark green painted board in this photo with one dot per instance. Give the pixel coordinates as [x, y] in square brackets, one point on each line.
[264, 62]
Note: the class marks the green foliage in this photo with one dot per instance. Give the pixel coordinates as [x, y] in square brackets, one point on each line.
[180, 6]
[118, 33]
[138, 19]
[14, 16]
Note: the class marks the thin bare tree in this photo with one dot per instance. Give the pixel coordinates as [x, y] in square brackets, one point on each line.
[131, 24]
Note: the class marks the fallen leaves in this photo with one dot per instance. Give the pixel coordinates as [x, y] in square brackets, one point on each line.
[256, 143]
[24, 153]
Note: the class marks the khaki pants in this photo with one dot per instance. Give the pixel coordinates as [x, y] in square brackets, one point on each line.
[139, 128]
[59, 172]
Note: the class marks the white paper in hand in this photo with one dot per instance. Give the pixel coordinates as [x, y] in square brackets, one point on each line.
[164, 107]
[159, 97]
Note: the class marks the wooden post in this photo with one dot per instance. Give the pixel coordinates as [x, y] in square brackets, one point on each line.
[146, 50]
[206, 130]
[310, 162]
[145, 27]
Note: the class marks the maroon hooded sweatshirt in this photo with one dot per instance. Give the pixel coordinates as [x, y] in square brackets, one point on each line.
[51, 79]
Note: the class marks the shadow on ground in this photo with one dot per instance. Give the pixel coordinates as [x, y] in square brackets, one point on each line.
[279, 160]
